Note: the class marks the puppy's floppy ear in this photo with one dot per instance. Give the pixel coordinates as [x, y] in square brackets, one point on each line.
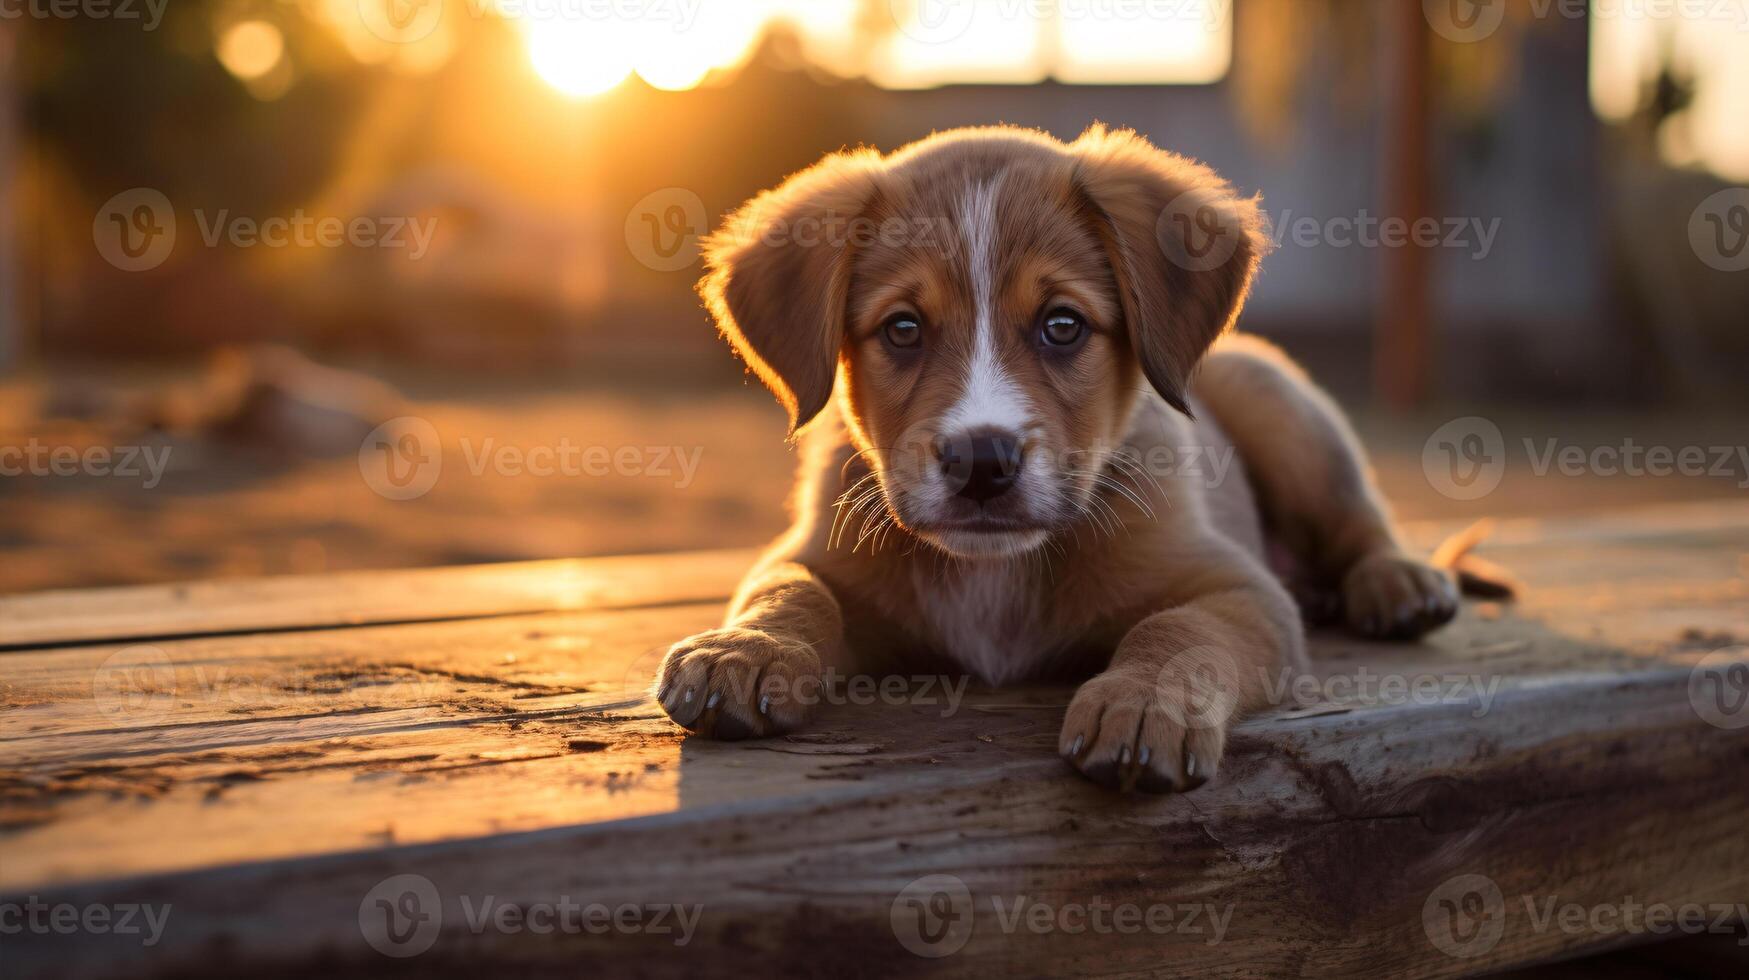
[778, 277]
[1184, 247]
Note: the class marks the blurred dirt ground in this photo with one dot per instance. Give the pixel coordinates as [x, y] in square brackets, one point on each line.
[229, 510]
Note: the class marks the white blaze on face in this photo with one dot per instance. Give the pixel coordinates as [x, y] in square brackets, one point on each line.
[989, 397]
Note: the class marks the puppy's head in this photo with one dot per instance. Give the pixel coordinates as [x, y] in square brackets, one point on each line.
[987, 304]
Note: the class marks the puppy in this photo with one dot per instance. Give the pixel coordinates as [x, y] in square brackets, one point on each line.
[1009, 359]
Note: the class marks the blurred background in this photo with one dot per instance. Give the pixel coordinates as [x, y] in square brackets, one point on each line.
[304, 285]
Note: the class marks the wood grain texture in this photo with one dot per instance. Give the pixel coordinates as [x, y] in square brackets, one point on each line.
[262, 784]
[302, 602]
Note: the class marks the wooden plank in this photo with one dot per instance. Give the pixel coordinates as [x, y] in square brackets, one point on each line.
[357, 598]
[1321, 848]
[12, 333]
[293, 602]
[262, 785]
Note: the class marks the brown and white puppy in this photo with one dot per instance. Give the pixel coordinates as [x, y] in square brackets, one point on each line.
[1024, 339]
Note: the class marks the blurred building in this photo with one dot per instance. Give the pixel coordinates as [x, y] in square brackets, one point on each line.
[1560, 269]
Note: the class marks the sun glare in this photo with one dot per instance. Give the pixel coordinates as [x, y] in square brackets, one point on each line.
[677, 47]
[578, 58]
[586, 55]
[1625, 56]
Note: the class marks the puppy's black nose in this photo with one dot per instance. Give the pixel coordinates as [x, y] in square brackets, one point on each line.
[980, 465]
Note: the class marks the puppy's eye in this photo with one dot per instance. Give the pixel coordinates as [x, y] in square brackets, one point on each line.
[1063, 328]
[903, 331]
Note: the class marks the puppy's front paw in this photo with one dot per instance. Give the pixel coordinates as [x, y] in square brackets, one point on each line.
[1390, 597]
[735, 683]
[1130, 729]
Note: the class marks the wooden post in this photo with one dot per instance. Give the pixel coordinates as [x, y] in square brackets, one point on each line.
[11, 327]
[1403, 322]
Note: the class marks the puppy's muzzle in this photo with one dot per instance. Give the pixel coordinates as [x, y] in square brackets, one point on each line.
[980, 465]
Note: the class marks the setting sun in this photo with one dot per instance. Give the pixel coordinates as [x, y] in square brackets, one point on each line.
[582, 56]
[579, 58]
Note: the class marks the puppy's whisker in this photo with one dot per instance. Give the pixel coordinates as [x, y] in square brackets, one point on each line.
[845, 514]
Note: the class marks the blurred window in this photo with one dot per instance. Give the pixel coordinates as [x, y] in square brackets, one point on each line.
[945, 42]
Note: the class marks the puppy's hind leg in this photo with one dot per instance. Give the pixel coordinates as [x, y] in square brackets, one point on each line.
[1317, 494]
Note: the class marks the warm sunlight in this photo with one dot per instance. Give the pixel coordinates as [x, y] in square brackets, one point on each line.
[1709, 132]
[583, 55]
[916, 45]
[251, 49]
[579, 58]
[994, 42]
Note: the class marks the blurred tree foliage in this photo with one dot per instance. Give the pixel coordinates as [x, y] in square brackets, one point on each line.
[113, 105]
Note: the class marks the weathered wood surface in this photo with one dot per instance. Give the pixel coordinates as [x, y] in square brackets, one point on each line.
[271, 752]
[305, 602]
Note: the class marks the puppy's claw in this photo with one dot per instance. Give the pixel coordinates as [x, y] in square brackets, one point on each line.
[722, 683]
[1126, 733]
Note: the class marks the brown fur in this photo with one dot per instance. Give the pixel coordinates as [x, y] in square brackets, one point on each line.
[1150, 578]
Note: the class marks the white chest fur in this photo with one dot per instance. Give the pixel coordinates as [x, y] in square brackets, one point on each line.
[987, 617]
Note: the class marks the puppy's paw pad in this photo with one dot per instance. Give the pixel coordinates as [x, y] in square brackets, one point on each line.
[734, 683]
[1129, 732]
[1390, 597]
